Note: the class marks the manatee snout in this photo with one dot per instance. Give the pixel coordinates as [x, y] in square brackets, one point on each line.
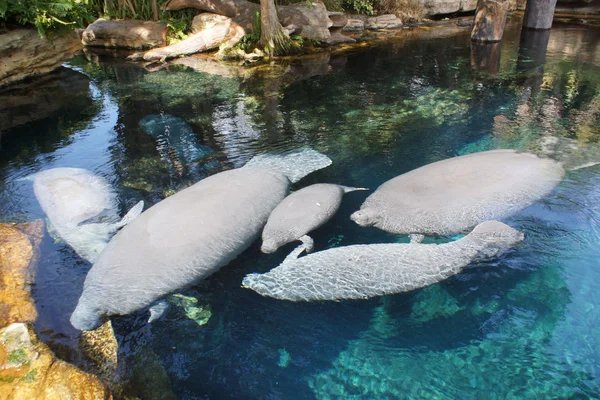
[269, 246]
[497, 234]
[364, 217]
[85, 318]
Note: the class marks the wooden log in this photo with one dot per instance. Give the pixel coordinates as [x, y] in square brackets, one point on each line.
[539, 14]
[131, 34]
[490, 19]
[485, 57]
[204, 40]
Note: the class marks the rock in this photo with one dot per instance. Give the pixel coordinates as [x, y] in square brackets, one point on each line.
[337, 38]
[100, 349]
[43, 97]
[18, 253]
[338, 19]
[29, 370]
[386, 21]
[354, 25]
[131, 34]
[436, 7]
[26, 54]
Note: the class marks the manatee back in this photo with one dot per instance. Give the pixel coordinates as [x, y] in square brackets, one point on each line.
[454, 195]
[300, 213]
[182, 239]
[70, 196]
[361, 271]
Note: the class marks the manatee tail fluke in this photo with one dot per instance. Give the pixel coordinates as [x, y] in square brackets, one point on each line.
[348, 189]
[295, 164]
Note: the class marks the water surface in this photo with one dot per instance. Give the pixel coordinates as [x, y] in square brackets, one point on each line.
[522, 326]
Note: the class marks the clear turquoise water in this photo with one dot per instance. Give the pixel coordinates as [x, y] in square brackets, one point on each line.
[522, 326]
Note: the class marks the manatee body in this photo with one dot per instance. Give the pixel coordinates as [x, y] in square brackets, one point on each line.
[452, 196]
[175, 138]
[188, 236]
[72, 198]
[364, 271]
[300, 213]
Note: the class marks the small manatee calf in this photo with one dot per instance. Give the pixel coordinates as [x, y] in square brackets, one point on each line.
[300, 213]
[364, 271]
[81, 208]
[454, 195]
[188, 236]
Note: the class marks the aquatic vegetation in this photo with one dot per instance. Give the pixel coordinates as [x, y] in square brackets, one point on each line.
[200, 314]
[284, 358]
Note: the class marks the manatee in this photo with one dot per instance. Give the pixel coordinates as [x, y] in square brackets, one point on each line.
[175, 138]
[188, 236]
[300, 213]
[454, 195]
[364, 271]
[81, 208]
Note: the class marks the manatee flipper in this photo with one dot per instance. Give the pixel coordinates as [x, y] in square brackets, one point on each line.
[157, 310]
[132, 214]
[295, 253]
[416, 238]
[348, 189]
[294, 164]
[309, 243]
[52, 232]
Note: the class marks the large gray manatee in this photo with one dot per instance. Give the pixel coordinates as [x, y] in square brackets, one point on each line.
[300, 213]
[452, 196]
[81, 208]
[364, 271]
[188, 236]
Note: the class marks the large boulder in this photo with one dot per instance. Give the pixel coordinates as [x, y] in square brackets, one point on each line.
[26, 54]
[437, 7]
[28, 369]
[130, 34]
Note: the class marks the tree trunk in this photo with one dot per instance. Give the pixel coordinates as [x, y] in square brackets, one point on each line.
[489, 20]
[273, 39]
[129, 34]
[539, 14]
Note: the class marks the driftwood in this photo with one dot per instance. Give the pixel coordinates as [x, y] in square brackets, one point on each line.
[490, 19]
[131, 34]
[204, 40]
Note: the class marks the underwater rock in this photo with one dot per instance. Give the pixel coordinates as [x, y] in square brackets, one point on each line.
[364, 271]
[29, 370]
[81, 208]
[18, 254]
[175, 138]
[451, 196]
[188, 236]
[301, 212]
[100, 348]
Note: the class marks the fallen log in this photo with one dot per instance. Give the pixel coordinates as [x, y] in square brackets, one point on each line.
[129, 34]
[204, 40]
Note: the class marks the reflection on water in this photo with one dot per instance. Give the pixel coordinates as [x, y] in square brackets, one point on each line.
[523, 326]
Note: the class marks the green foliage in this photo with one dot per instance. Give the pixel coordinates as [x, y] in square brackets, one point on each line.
[250, 41]
[47, 15]
[360, 6]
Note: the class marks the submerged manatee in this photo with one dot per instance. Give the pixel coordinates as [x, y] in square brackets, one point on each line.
[364, 271]
[81, 208]
[300, 213]
[188, 236]
[174, 135]
[452, 196]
